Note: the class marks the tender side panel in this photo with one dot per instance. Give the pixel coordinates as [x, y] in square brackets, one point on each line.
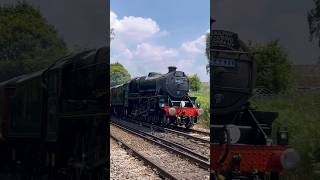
[26, 108]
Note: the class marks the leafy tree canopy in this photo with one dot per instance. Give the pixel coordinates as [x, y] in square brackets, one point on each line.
[118, 74]
[194, 82]
[273, 66]
[27, 42]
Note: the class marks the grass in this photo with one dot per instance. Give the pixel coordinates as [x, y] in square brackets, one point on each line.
[203, 97]
[300, 113]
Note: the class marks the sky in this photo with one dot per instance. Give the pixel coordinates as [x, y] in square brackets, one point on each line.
[152, 35]
[265, 20]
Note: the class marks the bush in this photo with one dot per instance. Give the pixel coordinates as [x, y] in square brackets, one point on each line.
[118, 74]
[194, 82]
[273, 67]
[27, 42]
[203, 97]
[299, 112]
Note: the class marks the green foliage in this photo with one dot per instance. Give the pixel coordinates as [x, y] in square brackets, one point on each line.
[203, 98]
[299, 112]
[194, 82]
[118, 74]
[27, 42]
[273, 67]
[314, 21]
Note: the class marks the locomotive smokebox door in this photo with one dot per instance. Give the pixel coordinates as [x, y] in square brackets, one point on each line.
[233, 72]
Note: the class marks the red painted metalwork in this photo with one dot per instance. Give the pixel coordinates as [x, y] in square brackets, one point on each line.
[260, 158]
[182, 111]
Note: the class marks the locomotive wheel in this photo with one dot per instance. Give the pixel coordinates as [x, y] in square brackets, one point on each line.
[189, 123]
[271, 176]
[164, 120]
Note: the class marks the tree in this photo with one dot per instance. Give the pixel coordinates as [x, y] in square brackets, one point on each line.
[273, 66]
[194, 82]
[314, 21]
[27, 42]
[118, 74]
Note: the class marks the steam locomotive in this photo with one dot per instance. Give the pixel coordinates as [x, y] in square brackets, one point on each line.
[53, 122]
[241, 142]
[157, 98]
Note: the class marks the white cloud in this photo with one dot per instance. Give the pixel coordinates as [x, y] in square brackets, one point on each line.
[135, 47]
[195, 46]
[134, 29]
[154, 52]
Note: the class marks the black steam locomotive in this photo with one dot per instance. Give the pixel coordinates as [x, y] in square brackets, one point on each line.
[241, 142]
[157, 98]
[54, 121]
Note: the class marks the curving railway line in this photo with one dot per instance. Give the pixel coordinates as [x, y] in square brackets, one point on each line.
[171, 159]
[191, 141]
[203, 136]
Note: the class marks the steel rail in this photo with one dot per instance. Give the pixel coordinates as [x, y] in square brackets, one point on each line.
[181, 131]
[187, 135]
[201, 160]
[167, 142]
[162, 172]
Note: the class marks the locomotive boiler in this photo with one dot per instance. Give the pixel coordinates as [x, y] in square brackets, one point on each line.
[241, 137]
[174, 83]
[157, 98]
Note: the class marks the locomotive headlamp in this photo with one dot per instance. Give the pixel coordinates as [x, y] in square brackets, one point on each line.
[200, 111]
[282, 136]
[289, 159]
[182, 104]
[172, 111]
[162, 104]
[235, 133]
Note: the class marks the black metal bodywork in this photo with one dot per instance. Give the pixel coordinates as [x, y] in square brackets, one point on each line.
[233, 73]
[144, 98]
[58, 116]
[233, 76]
[174, 83]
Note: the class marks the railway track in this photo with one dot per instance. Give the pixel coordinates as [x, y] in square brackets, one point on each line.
[191, 141]
[162, 172]
[198, 135]
[190, 163]
[193, 134]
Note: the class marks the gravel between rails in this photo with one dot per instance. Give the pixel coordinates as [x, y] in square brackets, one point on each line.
[201, 129]
[173, 163]
[125, 166]
[200, 147]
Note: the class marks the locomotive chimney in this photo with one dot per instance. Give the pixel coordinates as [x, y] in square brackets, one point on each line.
[172, 68]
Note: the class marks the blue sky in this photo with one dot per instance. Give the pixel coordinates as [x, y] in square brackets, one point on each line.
[153, 34]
